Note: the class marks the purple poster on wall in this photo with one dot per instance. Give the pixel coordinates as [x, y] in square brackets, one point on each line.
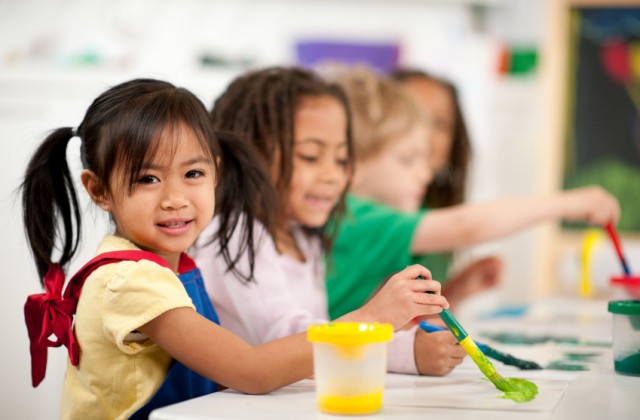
[382, 56]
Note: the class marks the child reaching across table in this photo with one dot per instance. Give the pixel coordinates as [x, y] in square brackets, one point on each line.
[301, 127]
[449, 158]
[384, 228]
[145, 333]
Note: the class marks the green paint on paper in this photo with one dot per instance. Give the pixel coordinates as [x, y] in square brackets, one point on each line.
[581, 357]
[524, 339]
[520, 390]
[566, 365]
[576, 361]
[629, 365]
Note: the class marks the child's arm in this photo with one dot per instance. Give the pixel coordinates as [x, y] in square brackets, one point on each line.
[463, 225]
[225, 358]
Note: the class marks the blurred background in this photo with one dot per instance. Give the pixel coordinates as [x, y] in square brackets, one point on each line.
[550, 91]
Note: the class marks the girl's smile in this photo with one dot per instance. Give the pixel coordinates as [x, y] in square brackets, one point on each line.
[175, 227]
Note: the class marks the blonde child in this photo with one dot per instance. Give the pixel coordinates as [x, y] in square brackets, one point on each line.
[145, 333]
[449, 158]
[301, 127]
[384, 228]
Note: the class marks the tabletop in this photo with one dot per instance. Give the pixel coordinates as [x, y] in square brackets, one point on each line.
[561, 334]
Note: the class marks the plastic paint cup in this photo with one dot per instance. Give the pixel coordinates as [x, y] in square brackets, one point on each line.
[350, 364]
[625, 287]
[626, 336]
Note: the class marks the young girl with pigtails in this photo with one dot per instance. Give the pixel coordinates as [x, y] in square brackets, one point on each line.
[136, 320]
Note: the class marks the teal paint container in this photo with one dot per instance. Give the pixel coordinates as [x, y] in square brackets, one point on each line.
[626, 336]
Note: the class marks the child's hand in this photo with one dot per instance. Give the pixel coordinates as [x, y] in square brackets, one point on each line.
[592, 204]
[437, 353]
[403, 297]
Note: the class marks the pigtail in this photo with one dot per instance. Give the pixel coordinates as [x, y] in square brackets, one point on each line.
[244, 189]
[48, 193]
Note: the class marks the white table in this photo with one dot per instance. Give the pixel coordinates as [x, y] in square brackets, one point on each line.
[597, 394]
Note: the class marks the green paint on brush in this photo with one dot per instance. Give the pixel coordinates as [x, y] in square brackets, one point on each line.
[519, 390]
[516, 389]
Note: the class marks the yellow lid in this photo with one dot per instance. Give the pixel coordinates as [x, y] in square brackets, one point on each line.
[350, 333]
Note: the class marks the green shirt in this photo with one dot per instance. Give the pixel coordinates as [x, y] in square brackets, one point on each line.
[373, 243]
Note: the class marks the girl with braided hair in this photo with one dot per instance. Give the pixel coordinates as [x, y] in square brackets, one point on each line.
[301, 127]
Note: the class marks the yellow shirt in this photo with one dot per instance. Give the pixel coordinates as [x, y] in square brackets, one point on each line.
[119, 370]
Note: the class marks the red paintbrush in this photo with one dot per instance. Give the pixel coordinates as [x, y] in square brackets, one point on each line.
[613, 234]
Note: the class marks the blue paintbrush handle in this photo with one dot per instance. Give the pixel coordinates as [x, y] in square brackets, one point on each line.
[428, 327]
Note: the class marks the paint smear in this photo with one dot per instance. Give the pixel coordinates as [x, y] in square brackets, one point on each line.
[582, 357]
[520, 390]
[524, 339]
[565, 365]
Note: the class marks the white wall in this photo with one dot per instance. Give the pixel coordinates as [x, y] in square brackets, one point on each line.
[42, 87]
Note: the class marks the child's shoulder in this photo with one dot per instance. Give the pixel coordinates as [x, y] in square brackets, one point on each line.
[132, 268]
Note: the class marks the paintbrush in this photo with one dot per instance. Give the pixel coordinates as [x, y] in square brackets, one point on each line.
[489, 351]
[613, 234]
[517, 389]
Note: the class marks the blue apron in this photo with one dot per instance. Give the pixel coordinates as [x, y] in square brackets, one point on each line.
[181, 382]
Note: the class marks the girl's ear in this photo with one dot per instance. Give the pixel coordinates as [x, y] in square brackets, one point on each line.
[95, 189]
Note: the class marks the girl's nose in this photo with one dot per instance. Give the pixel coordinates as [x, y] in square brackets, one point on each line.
[333, 171]
[173, 198]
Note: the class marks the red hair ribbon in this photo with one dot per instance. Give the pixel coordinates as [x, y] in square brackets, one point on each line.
[49, 314]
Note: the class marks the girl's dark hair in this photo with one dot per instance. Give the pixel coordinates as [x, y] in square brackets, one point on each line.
[260, 106]
[448, 188]
[120, 128]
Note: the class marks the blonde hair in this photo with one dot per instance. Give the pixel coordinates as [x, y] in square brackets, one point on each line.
[381, 108]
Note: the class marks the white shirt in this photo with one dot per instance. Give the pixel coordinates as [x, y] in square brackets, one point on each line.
[285, 297]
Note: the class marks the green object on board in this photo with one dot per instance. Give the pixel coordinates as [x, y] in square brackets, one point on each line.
[630, 365]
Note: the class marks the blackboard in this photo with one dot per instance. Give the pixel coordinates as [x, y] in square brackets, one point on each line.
[602, 135]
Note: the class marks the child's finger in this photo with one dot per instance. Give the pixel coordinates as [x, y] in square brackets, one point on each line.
[424, 286]
[414, 271]
[431, 300]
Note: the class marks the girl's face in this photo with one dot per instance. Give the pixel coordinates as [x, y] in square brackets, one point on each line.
[398, 174]
[320, 160]
[437, 99]
[172, 201]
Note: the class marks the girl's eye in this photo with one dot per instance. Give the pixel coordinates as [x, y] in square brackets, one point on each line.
[147, 179]
[308, 158]
[342, 162]
[194, 174]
